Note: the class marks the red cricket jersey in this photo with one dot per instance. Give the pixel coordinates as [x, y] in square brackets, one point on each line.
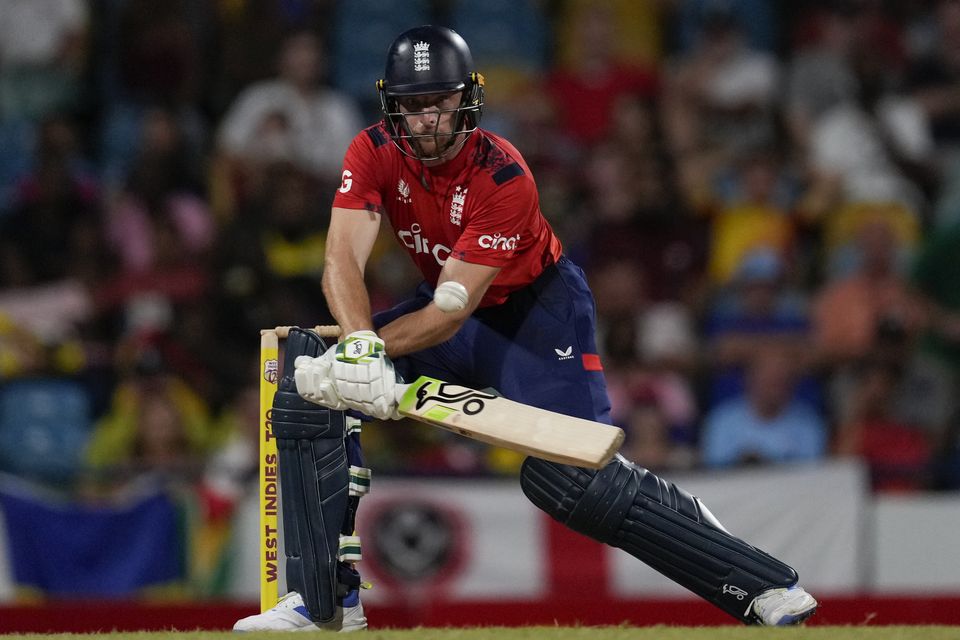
[481, 207]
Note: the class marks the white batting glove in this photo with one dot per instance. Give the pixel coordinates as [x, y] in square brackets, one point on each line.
[315, 381]
[364, 375]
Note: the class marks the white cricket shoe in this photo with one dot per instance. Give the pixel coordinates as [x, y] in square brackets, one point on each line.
[780, 607]
[290, 614]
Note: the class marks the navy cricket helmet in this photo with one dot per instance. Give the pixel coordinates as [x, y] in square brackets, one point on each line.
[427, 60]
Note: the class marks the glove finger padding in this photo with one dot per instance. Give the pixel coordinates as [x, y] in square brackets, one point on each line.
[315, 381]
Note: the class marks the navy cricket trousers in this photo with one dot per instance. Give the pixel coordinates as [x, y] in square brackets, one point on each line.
[538, 347]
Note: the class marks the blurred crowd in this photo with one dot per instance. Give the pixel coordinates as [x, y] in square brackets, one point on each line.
[765, 197]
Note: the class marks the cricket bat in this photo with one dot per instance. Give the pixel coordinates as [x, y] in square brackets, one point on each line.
[495, 420]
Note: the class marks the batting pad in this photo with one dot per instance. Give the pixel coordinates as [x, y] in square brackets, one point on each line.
[314, 485]
[655, 521]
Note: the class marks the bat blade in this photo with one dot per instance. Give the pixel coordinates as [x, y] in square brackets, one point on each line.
[512, 425]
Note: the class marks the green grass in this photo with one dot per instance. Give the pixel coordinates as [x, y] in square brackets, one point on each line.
[564, 633]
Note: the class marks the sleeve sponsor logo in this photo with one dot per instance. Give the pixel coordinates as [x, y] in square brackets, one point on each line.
[498, 242]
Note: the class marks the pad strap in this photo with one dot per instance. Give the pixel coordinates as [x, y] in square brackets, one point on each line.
[628, 507]
[353, 425]
[350, 549]
[359, 487]
[359, 481]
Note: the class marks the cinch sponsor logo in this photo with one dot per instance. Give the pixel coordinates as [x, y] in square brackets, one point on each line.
[496, 241]
[413, 239]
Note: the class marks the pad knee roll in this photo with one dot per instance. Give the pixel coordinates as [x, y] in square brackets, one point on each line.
[655, 521]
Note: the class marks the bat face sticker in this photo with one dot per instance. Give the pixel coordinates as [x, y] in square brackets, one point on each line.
[471, 401]
[488, 417]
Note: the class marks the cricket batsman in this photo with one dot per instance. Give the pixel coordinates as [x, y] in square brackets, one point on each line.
[464, 205]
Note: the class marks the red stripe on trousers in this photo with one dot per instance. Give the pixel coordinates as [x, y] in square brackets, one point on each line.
[591, 362]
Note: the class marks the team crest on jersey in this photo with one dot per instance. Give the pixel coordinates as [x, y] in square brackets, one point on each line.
[456, 205]
[421, 56]
[403, 191]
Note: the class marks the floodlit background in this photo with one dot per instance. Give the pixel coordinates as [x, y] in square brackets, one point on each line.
[765, 197]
